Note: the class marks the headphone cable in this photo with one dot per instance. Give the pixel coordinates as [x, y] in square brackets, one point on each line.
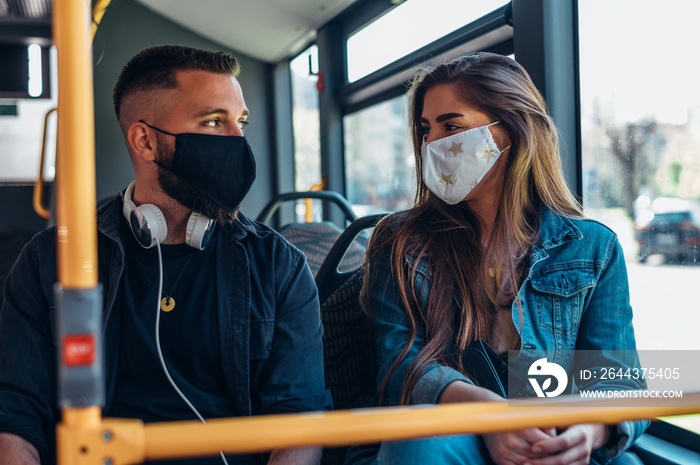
[160, 352]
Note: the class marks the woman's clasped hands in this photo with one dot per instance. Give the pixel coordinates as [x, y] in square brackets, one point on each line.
[533, 446]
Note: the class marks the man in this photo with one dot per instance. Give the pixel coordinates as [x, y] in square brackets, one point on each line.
[237, 313]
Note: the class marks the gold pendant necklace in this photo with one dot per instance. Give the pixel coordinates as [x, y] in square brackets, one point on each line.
[167, 303]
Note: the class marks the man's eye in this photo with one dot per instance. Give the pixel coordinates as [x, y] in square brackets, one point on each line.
[212, 123]
[243, 123]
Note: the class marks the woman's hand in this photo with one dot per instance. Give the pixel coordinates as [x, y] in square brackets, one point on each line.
[572, 447]
[508, 448]
[531, 446]
[516, 447]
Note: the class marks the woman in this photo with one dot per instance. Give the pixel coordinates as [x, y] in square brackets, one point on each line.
[495, 248]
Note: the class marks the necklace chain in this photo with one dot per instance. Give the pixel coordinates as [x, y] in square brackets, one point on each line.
[167, 303]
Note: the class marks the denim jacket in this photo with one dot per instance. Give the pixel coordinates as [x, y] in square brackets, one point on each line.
[575, 296]
[269, 327]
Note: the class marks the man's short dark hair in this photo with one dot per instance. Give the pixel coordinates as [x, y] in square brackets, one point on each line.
[155, 68]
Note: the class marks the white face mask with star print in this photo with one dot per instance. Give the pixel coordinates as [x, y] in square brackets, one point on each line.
[454, 165]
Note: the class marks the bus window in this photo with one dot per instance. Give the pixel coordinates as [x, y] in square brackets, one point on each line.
[379, 171]
[22, 124]
[306, 126]
[307, 142]
[640, 120]
[407, 28]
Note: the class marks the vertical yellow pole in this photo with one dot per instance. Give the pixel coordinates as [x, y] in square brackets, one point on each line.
[75, 196]
[309, 203]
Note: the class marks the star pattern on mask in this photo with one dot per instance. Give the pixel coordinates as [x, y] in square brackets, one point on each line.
[445, 179]
[456, 148]
[489, 154]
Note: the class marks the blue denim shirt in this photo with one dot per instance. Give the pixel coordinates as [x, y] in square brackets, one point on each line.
[575, 296]
[269, 327]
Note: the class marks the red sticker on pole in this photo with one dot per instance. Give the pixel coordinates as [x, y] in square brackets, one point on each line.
[78, 350]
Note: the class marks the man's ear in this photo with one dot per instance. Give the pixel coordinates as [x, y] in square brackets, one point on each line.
[142, 141]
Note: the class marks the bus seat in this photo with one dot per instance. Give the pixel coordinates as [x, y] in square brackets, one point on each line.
[349, 358]
[315, 239]
[348, 344]
[330, 277]
[348, 339]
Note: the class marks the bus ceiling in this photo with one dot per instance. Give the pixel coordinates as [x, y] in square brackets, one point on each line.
[269, 31]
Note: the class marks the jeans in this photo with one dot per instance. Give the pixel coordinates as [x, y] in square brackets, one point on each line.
[448, 450]
[443, 450]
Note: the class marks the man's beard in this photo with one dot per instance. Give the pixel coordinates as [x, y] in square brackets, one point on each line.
[188, 196]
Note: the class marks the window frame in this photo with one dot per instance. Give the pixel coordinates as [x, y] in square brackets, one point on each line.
[492, 32]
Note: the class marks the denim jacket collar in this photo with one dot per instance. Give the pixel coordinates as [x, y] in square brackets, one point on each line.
[556, 230]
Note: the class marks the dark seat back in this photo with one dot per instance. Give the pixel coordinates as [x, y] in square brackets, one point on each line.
[348, 345]
[348, 339]
[314, 239]
[334, 270]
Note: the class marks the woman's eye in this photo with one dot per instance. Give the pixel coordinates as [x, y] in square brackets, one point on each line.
[426, 131]
[450, 127]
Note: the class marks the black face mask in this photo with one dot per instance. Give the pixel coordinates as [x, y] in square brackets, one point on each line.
[221, 168]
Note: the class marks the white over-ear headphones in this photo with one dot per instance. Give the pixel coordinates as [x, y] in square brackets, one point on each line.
[149, 226]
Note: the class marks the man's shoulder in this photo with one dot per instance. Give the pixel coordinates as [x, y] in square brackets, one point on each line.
[109, 215]
[41, 248]
[44, 241]
[246, 229]
[259, 237]
[269, 257]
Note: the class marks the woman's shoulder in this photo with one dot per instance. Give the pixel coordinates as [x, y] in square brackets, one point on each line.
[389, 227]
[394, 231]
[577, 226]
[391, 223]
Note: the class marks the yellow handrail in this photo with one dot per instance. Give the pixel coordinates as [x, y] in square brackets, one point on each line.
[97, 13]
[342, 428]
[130, 442]
[39, 207]
[309, 203]
[38, 199]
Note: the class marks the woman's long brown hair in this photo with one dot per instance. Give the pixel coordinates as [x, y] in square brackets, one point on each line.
[462, 296]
